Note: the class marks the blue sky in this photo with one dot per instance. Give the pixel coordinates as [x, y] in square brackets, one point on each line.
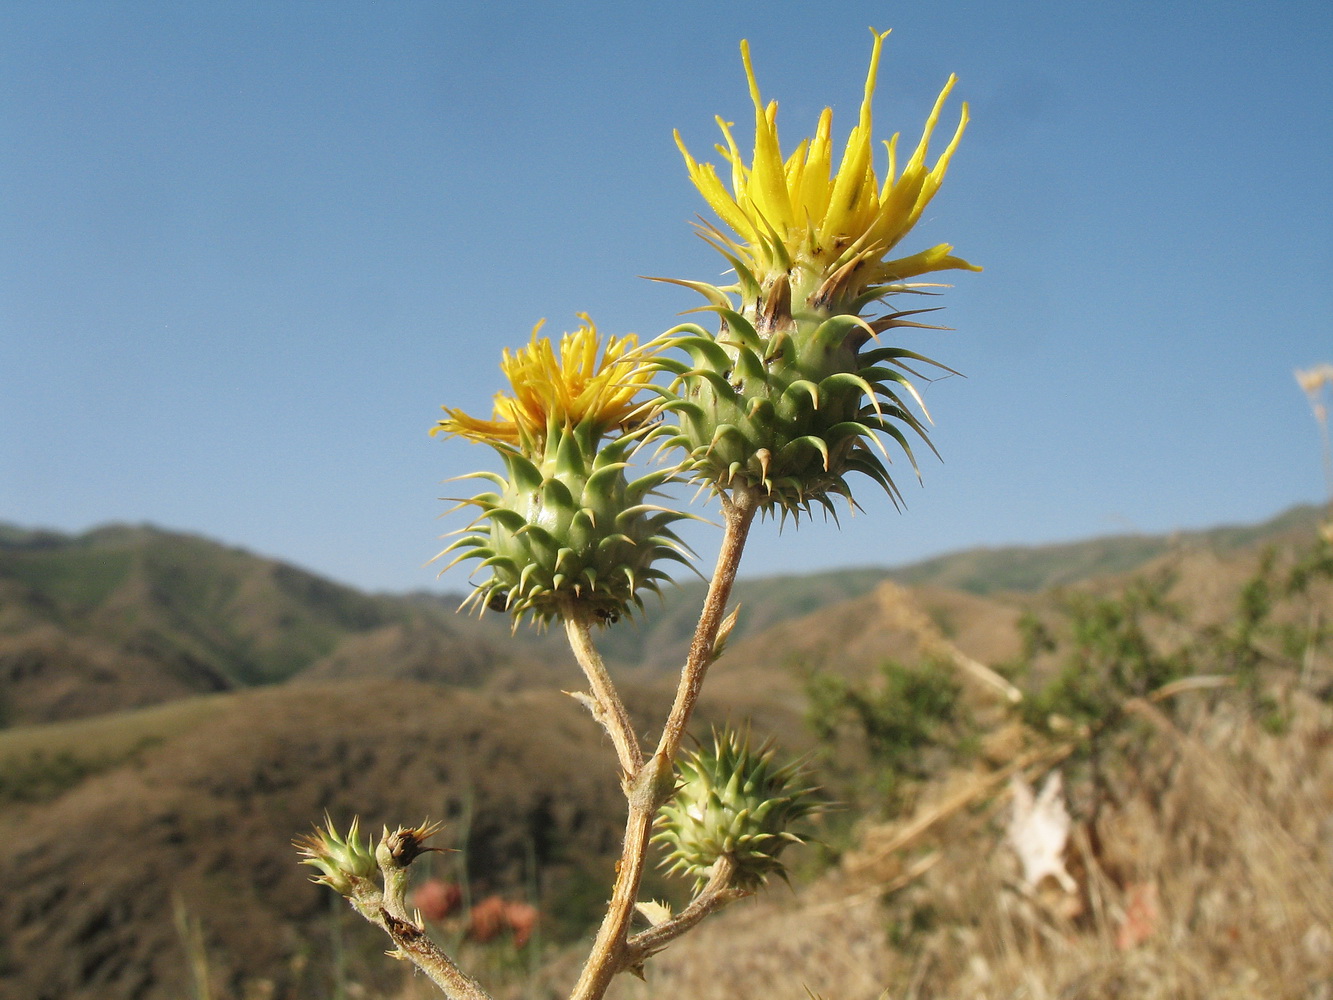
[250, 249]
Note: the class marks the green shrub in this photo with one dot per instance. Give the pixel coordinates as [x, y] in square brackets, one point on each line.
[893, 721]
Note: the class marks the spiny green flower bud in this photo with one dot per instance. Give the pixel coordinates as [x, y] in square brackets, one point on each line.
[792, 414]
[342, 860]
[733, 801]
[571, 535]
[566, 532]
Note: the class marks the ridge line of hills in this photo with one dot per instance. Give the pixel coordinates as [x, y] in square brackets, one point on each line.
[126, 616]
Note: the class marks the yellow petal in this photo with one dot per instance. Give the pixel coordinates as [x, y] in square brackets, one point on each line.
[575, 387]
[937, 258]
[796, 208]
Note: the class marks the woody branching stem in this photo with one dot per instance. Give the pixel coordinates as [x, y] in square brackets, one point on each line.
[646, 792]
[652, 784]
[738, 509]
[396, 851]
[605, 702]
[715, 894]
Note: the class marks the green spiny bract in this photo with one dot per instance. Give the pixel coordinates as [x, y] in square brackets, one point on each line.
[790, 401]
[733, 801]
[572, 535]
[342, 860]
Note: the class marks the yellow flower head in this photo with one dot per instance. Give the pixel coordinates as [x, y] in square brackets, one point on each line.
[796, 211]
[568, 390]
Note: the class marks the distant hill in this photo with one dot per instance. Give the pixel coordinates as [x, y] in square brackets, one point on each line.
[198, 801]
[266, 695]
[122, 617]
[1037, 567]
[660, 639]
[128, 616]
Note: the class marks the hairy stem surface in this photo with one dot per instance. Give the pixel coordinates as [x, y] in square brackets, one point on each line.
[717, 893]
[417, 947]
[609, 950]
[738, 509]
[607, 707]
[652, 783]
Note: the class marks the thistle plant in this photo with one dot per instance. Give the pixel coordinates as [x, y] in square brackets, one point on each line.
[771, 412]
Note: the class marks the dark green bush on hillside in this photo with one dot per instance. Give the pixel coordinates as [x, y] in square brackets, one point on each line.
[895, 721]
[1110, 650]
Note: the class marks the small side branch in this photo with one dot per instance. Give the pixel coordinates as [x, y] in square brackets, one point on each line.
[717, 893]
[396, 851]
[414, 945]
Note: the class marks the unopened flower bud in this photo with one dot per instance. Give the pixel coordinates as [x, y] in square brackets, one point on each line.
[342, 860]
[734, 801]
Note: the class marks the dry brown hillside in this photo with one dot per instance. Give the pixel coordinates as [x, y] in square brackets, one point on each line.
[146, 846]
[122, 617]
[207, 816]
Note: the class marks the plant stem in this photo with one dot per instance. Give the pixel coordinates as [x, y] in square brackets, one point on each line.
[417, 947]
[738, 511]
[608, 952]
[606, 706]
[716, 894]
[652, 782]
[394, 854]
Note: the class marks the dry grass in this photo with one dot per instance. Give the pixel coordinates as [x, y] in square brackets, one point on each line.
[1230, 827]
[1205, 874]
[772, 947]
